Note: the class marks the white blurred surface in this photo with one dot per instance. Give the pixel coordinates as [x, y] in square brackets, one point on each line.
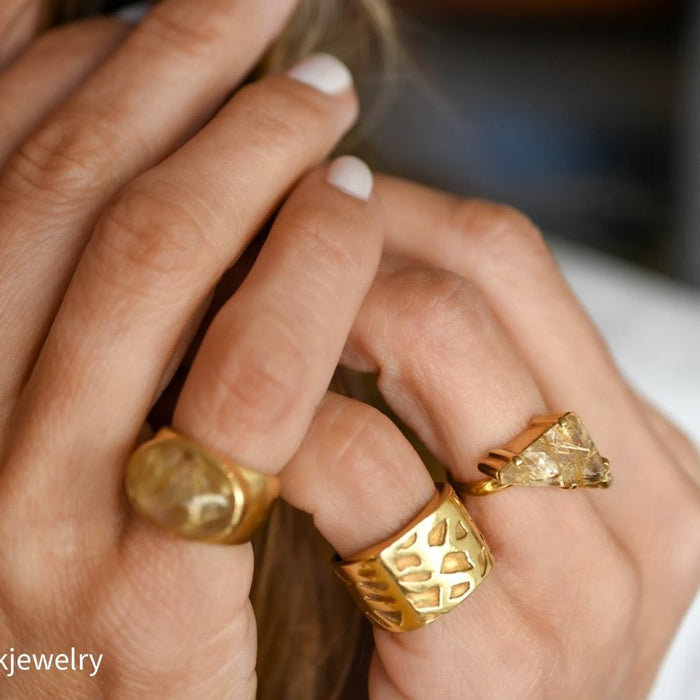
[652, 326]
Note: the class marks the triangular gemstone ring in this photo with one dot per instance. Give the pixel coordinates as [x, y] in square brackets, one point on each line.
[553, 451]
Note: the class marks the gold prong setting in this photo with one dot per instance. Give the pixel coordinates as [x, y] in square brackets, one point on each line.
[552, 451]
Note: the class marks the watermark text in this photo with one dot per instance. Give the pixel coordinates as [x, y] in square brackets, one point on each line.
[13, 662]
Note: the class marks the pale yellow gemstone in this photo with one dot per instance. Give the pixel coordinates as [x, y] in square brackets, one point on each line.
[180, 490]
[564, 455]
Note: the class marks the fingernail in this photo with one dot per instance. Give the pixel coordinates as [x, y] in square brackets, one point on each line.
[323, 72]
[134, 13]
[352, 176]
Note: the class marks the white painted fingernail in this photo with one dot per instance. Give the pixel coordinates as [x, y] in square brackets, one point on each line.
[352, 176]
[134, 13]
[323, 72]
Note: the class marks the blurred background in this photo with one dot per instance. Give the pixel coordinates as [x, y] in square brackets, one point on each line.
[582, 113]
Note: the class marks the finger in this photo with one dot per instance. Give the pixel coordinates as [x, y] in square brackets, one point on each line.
[278, 320]
[270, 353]
[489, 245]
[19, 22]
[187, 338]
[267, 358]
[161, 85]
[168, 238]
[44, 76]
[350, 460]
[463, 387]
[361, 480]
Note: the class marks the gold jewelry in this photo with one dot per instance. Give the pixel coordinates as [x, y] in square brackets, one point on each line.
[553, 451]
[413, 578]
[195, 492]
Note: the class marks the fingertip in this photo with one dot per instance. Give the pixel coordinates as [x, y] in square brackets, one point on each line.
[352, 176]
[324, 73]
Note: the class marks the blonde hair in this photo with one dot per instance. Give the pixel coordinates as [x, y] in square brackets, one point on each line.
[313, 643]
[353, 30]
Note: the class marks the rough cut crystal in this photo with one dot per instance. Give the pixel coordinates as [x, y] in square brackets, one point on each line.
[181, 490]
[564, 455]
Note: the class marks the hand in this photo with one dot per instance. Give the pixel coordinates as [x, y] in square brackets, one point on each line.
[473, 332]
[116, 224]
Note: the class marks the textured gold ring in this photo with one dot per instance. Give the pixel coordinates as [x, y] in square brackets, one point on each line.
[554, 450]
[413, 578]
[195, 492]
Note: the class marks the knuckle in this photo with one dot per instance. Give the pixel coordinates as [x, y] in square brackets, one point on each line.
[62, 159]
[284, 118]
[367, 438]
[56, 547]
[147, 237]
[624, 590]
[256, 386]
[613, 598]
[497, 229]
[200, 39]
[440, 307]
[544, 658]
[330, 239]
[76, 37]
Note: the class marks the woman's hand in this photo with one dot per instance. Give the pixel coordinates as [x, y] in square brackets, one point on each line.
[474, 332]
[108, 253]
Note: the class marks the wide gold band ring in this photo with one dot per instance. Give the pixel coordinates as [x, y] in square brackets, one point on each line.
[195, 492]
[413, 578]
[554, 450]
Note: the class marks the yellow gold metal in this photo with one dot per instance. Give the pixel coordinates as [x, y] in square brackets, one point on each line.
[413, 578]
[197, 493]
[554, 450]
